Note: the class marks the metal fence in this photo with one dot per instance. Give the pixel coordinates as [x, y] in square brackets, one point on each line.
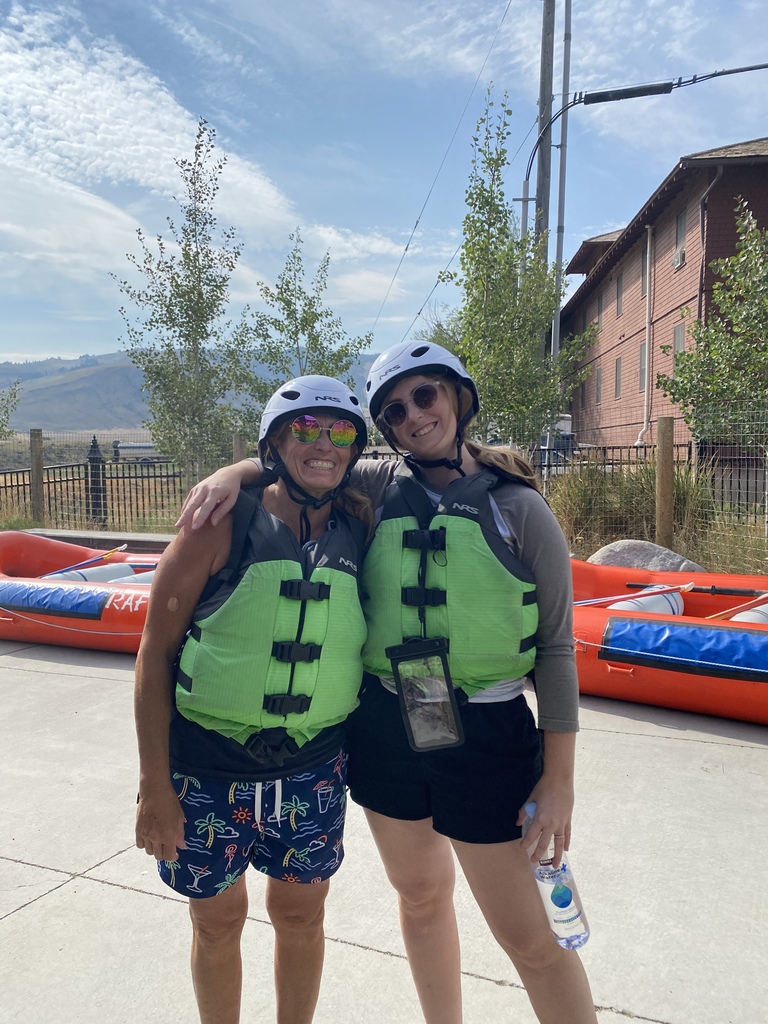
[114, 485]
[598, 494]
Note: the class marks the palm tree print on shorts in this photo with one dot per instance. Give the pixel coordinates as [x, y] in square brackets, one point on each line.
[212, 825]
[189, 780]
[293, 807]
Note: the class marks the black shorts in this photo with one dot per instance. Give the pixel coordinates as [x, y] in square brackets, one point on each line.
[472, 793]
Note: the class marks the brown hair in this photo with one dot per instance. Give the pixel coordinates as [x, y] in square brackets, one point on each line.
[355, 504]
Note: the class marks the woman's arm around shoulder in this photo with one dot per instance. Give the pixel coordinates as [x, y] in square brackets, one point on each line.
[215, 496]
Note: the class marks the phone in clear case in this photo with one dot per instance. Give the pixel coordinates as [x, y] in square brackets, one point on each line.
[426, 693]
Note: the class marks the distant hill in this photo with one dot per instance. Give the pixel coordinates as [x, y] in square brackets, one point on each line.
[90, 393]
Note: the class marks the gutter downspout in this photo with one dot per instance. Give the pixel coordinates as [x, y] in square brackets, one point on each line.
[647, 398]
[702, 229]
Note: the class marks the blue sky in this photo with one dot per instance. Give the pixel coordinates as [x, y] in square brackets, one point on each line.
[335, 116]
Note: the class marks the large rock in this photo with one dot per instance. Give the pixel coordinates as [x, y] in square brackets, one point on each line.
[642, 554]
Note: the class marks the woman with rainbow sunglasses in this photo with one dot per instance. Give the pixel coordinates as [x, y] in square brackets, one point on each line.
[468, 569]
[249, 664]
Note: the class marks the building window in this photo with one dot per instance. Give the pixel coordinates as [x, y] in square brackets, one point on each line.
[619, 294]
[599, 311]
[583, 394]
[643, 366]
[679, 258]
[598, 385]
[617, 384]
[644, 272]
[679, 343]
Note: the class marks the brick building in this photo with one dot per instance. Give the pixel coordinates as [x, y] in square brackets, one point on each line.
[639, 280]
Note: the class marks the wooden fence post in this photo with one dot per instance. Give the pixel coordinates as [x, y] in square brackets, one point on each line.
[238, 447]
[665, 481]
[36, 502]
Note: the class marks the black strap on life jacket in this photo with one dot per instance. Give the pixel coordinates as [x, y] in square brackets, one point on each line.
[425, 541]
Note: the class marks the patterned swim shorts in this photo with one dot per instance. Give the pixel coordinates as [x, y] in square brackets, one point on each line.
[291, 829]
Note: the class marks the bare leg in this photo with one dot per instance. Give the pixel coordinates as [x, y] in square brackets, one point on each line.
[296, 912]
[419, 864]
[217, 969]
[501, 880]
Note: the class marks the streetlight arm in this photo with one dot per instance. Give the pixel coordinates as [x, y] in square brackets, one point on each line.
[555, 117]
[608, 95]
[632, 92]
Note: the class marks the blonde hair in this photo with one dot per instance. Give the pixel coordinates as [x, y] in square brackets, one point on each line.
[507, 460]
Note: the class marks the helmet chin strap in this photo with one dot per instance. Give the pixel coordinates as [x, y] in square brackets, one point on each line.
[415, 463]
[303, 498]
[455, 464]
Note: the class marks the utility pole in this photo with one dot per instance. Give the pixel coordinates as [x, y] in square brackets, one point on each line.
[544, 163]
[560, 231]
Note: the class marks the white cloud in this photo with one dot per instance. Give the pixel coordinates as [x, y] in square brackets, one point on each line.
[78, 109]
[363, 286]
[53, 229]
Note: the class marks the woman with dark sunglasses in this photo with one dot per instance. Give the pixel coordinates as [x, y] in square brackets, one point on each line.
[249, 664]
[469, 565]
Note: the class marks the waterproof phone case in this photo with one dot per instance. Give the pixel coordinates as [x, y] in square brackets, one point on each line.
[424, 688]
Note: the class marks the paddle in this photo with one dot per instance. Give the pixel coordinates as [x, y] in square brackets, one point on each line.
[725, 591]
[597, 602]
[730, 612]
[88, 561]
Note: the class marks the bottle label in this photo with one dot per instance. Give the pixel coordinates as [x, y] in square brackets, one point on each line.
[558, 893]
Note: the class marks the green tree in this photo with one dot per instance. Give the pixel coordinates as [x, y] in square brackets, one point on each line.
[721, 384]
[181, 339]
[509, 300]
[299, 334]
[9, 399]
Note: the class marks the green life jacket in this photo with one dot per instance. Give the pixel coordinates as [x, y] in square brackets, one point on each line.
[447, 572]
[275, 645]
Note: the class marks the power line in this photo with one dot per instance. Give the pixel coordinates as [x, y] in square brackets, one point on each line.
[446, 268]
[439, 169]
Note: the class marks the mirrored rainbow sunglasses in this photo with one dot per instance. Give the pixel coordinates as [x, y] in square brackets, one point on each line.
[306, 429]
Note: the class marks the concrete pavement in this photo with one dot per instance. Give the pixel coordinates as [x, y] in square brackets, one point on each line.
[670, 839]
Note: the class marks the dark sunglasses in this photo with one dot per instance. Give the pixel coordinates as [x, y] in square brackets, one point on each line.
[306, 429]
[423, 397]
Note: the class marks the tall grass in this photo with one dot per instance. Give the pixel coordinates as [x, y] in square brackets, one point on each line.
[596, 506]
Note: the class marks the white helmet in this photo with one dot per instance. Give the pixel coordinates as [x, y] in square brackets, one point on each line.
[413, 357]
[311, 394]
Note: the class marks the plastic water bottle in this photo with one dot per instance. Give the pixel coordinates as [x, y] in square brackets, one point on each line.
[559, 895]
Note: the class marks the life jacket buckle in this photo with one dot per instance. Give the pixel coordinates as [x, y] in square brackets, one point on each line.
[292, 651]
[420, 596]
[283, 704]
[305, 590]
[277, 753]
[432, 540]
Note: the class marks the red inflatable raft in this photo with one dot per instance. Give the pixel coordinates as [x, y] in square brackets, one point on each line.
[681, 657]
[41, 602]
